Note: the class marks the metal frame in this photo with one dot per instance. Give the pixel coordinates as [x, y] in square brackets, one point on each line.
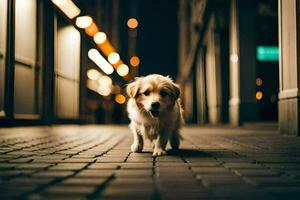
[45, 63]
[9, 62]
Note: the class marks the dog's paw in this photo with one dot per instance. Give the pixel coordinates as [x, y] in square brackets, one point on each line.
[159, 152]
[136, 147]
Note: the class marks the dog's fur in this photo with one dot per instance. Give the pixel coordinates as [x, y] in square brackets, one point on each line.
[155, 112]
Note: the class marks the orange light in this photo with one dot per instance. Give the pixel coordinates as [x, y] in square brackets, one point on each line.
[258, 81]
[132, 23]
[120, 99]
[134, 61]
[259, 95]
[106, 48]
[92, 29]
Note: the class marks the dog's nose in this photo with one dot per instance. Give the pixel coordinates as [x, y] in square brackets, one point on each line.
[155, 105]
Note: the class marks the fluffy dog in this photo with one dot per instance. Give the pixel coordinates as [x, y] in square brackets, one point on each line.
[155, 112]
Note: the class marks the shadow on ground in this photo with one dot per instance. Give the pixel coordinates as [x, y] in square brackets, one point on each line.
[188, 153]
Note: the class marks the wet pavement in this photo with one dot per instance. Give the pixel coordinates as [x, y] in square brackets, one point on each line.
[95, 162]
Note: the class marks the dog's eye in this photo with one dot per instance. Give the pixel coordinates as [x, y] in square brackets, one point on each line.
[163, 93]
[146, 93]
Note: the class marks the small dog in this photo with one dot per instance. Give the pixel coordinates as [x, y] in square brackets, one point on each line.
[155, 112]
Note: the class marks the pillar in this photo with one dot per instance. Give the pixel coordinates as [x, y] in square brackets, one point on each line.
[242, 68]
[289, 81]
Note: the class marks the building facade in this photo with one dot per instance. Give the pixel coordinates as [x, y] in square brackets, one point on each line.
[239, 62]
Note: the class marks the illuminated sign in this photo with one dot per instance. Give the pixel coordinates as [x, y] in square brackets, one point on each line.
[267, 53]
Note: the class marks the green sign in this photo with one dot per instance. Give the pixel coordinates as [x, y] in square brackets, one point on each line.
[267, 53]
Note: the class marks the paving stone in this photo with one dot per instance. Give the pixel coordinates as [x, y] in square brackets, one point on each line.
[256, 172]
[78, 160]
[95, 174]
[136, 165]
[144, 193]
[4, 166]
[131, 173]
[243, 166]
[73, 166]
[210, 170]
[100, 166]
[30, 180]
[54, 174]
[33, 166]
[271, 181]
[212, 164]
[71, 190]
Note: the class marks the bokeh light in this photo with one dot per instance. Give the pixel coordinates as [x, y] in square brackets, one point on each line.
[100, 37]
[113, 58]
[258, 81]
[132, 23]
[259, 95]
[120, 99]
[93, 74]
[134, 61]
[105, 81]
[83, 21]
[123, 70]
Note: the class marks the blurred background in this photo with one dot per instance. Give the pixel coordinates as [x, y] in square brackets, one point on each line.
[68, 61]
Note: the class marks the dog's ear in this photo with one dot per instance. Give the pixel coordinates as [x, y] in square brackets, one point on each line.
[175, 90]
[132, 88]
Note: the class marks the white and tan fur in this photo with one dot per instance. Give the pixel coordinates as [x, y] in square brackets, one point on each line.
[155, 113]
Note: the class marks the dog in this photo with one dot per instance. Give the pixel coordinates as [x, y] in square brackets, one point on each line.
[155, 112]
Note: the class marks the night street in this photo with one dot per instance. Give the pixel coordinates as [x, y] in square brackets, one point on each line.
[94, 162]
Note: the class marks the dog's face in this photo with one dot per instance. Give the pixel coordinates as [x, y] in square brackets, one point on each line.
[154, 94]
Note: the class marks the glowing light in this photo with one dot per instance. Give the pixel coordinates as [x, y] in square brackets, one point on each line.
[92, 85]
[67, 7]
[98, 59]
[267, 53]
[100, 37]
[258, 81]
[105, 81]
[104, 91]
[120, 99]
[259, 95]
[113, 58]
[93, 74]
[123, 70]
[134, 61]
[59, 3]
[234, 58]
[84, 21]
[132, 23]
[92, 29]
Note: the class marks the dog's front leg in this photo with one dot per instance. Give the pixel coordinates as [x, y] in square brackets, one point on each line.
[138, 143]
[160, 145]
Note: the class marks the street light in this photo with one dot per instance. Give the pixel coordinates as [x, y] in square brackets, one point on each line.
[100, 37]
[93, 74]
[67, 7]
[123, 70]
[113, 58]
[132, 23]
[98, 59]
[84, 21]
[134, 61]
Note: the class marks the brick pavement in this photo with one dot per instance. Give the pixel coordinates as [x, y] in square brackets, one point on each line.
[94, 162]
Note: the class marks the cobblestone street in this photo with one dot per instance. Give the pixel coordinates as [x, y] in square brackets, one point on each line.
[94, 162]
